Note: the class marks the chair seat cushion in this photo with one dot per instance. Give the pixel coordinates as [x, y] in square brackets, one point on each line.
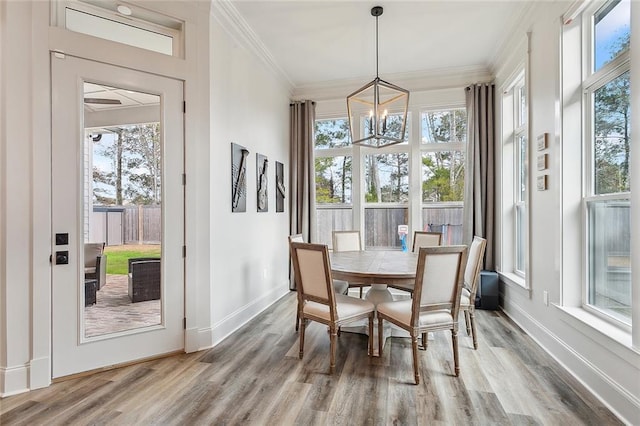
[340, 287]
[347, 307]
[400, 311]
[465, 298]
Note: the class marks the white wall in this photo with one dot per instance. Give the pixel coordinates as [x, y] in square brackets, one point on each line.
[605, 364]
[249, 252]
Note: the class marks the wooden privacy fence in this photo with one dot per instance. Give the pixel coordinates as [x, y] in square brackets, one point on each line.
[381, 223]
[142, 225]
[127, 224]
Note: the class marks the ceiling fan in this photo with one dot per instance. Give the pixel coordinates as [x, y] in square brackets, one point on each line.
[102, 101]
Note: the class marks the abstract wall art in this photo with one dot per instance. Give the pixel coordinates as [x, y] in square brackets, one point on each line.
[280, 190]
[262, 182]
[239, 155]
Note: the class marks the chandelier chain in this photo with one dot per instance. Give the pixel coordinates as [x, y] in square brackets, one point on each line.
[377, 47]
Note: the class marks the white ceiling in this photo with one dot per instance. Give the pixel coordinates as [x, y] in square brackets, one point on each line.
[317, 42]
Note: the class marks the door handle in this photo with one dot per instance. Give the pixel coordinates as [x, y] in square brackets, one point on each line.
[62, 257]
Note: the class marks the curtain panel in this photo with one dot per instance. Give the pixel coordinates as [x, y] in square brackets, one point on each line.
[479, 210]
[301, 177]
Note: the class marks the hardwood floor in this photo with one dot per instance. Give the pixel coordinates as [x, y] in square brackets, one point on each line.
[255, 377]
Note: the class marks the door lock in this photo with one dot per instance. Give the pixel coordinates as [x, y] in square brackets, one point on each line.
[62, 239]
[62, 257]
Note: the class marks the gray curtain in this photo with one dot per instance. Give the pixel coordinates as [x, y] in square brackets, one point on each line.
[302, 190]
[479, 208]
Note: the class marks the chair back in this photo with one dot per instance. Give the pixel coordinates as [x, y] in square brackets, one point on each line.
[91, 253]
[426, 239]
[313, 274]
[474, 264]
[346, 241]
[297, 238]
[439, 279]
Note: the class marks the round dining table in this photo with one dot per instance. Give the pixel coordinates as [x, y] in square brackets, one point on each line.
[379, 268]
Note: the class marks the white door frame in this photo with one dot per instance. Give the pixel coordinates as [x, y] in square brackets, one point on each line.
[67, 280]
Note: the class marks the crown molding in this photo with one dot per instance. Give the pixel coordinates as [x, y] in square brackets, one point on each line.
[520, 24]
[239, 30]
[443, 78]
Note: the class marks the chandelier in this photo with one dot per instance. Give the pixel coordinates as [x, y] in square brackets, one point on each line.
[383, 106]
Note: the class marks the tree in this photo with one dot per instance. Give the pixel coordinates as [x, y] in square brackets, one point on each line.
[135, 171]
[612, 115]
[393, 166]
[333, 174]
[443, 178]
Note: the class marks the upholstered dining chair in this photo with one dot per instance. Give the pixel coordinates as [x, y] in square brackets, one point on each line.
[421, 239]
[320, 303]
[348, 241]
[436, 300]
[426, 239]
[470, 286]
[339, 286]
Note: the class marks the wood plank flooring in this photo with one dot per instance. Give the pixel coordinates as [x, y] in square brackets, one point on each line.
[254, 377]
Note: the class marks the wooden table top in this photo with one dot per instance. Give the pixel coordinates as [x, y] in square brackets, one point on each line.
[374, 266]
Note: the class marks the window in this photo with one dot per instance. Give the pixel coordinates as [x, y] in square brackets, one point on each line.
[138, 27]
[386, 189]
[606, 147]
[333, 176]
[442, 148]
[419, 182]
[515, 177]
[521, 177]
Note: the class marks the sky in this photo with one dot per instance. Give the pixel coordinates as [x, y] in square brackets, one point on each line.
[613, 26]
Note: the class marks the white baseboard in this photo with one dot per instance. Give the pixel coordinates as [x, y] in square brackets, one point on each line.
[14, 380]
[211, 336]
[40, 373]
[621, 402]
[192, 340]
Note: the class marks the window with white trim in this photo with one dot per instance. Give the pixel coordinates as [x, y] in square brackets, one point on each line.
[606, 202]
[442, 148]
[418, 182]
[333, 178]
[515, 177]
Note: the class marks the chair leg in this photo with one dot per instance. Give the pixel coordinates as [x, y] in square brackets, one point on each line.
[297, 319]
[466, 321]
[371, 334]
[380, 333]
[416, 367]
[472, 320]
[333, 337]
[454, 340]
[302, 329]
[425, 337]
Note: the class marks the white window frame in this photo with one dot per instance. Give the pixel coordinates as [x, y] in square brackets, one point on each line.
[342, 151]
[451, 146]
[143, 19]
[414, 150]
[512, 131]
[591, 82]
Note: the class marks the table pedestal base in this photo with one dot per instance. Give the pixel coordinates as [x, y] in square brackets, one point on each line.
[379, 293]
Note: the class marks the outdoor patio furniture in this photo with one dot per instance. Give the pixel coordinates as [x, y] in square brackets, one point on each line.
[95, 264]
[90, 287]
[144, 279]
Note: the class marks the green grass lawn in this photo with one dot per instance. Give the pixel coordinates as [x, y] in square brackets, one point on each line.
[117, 256]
